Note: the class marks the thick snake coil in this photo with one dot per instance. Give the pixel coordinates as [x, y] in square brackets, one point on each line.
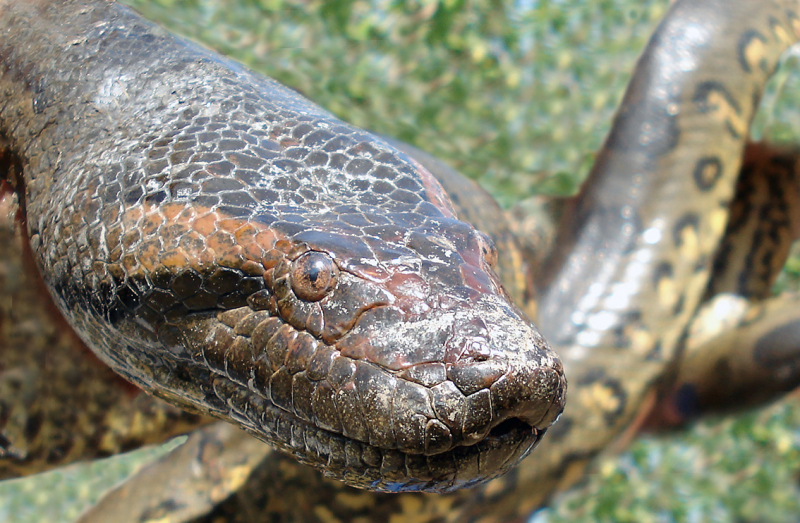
[227, 245]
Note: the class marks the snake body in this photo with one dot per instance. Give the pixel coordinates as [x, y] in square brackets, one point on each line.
[225, 244]
[631, 265]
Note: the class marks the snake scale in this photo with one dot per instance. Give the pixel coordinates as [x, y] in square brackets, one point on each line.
[623, 229]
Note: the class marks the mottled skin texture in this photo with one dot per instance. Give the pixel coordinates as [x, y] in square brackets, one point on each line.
[743, 341]
[226, 245]
[280, 491]
[651, 216]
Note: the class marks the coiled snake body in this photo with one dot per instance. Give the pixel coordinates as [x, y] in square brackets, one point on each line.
[639, 286]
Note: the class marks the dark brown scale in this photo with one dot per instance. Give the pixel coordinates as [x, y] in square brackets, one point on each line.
[325, 407]
[302, 396]
[280, 389]
[278, 346]
[300, 353]
[238, 360]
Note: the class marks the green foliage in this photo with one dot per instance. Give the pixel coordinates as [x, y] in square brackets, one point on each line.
[740, 469]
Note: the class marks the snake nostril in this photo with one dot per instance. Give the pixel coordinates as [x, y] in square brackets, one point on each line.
[534, 397]
[508, 426]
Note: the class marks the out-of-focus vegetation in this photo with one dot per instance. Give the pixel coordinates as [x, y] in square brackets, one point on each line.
[518, 95]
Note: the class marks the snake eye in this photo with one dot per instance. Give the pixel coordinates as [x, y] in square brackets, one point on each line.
[488, 249]
[313, 275]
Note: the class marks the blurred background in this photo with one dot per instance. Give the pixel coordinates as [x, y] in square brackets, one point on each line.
[517, 95]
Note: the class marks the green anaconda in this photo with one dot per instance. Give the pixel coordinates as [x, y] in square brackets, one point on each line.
[226, 245]
[606, 400]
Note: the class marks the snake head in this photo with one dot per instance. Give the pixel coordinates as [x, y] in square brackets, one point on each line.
[399, 345]
[378, 346]
[389, 356]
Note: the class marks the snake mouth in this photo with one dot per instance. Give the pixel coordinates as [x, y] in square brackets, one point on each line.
[511, 425]
[362, 465]
[448, 378]
[436, 404]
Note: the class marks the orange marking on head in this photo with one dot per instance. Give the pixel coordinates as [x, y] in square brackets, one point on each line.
[271, 258]
[151, 223]
[199, 259]
[134, 214]
[252, 251]
[266, 239]
[233, 258]
[220, 241]
[284, 245]
[245, 233]
[206, 224]
[175, 260]
[150, 255]
[230, 224]
[180, 236]
[172, 211]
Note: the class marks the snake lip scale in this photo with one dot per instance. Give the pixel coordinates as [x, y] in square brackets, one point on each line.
[228, 246]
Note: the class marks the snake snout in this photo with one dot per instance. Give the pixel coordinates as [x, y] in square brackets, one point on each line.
[505, 396]
[508, 374]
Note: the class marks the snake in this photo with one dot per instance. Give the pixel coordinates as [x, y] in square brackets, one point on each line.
[621, 216]
[224, 244]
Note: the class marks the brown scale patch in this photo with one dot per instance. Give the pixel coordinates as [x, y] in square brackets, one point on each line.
[79, 408]
[434, 190]
[8, 208]
[764, 220]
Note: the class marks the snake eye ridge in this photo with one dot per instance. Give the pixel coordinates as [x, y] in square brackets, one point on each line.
[313, 275]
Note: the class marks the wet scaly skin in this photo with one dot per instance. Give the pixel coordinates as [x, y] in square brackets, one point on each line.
[226, 245]
[508, 489]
